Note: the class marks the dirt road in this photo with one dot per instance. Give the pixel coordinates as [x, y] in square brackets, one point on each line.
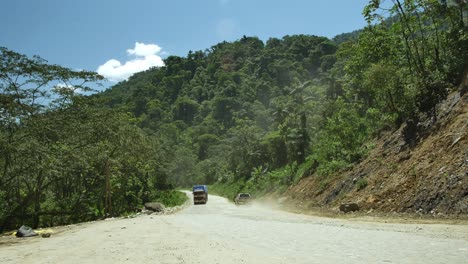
[221, 232]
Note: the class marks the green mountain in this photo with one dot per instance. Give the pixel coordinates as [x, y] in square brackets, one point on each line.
[249, 111]
[234, 107]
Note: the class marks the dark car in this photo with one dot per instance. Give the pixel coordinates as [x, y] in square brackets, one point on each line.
[243, 198]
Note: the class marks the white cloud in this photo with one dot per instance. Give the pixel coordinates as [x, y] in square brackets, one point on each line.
[142, 49]
[145, 57]
[64, 87]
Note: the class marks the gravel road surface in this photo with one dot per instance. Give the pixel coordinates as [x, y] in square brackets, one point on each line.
[221, 232]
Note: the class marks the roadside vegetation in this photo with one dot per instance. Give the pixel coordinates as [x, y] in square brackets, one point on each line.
[169, 198]
[64, 158]
[246, 115]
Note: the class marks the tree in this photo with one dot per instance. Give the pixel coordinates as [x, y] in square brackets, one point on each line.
[433, 36]
[64, 158]
[29, 87]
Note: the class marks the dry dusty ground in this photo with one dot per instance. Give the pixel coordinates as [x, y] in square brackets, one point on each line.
[220, 232]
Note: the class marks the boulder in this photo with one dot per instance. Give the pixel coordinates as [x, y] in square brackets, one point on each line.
[349, 207]
[155, 207]
[25, 231]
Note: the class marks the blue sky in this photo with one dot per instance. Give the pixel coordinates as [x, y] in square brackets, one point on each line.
[125, 35]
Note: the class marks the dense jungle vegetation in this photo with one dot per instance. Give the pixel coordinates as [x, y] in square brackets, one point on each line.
[253, 114]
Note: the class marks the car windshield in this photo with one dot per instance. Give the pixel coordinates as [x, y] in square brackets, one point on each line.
[244, 195]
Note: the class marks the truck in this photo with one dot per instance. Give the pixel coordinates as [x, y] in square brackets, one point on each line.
[200, 194]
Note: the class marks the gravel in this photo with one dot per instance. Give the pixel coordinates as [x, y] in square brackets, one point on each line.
[221, 232]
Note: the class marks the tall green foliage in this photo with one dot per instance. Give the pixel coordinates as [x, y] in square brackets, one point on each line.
[64, 159]
[231, 100]
[432, 40]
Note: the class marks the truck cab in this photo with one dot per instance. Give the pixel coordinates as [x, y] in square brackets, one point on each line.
[200, 194]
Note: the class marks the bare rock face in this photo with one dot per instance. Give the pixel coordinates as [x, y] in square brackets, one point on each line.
[372, 200]
[155, 207]
[349, 207]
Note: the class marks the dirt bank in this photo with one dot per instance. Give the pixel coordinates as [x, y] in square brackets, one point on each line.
[427, 178]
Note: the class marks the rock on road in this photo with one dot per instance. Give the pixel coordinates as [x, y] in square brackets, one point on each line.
[221, 232]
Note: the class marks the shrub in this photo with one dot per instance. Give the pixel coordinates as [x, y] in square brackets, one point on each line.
[169, 198]
[361, 184]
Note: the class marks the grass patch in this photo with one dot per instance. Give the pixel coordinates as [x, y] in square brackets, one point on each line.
[361, 184]
[323, 185]
[227, 190]
[304, 170]
[259, 184]
[170, 198]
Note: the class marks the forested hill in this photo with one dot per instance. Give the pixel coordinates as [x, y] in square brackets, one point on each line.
[236, 107]
[262, 115]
